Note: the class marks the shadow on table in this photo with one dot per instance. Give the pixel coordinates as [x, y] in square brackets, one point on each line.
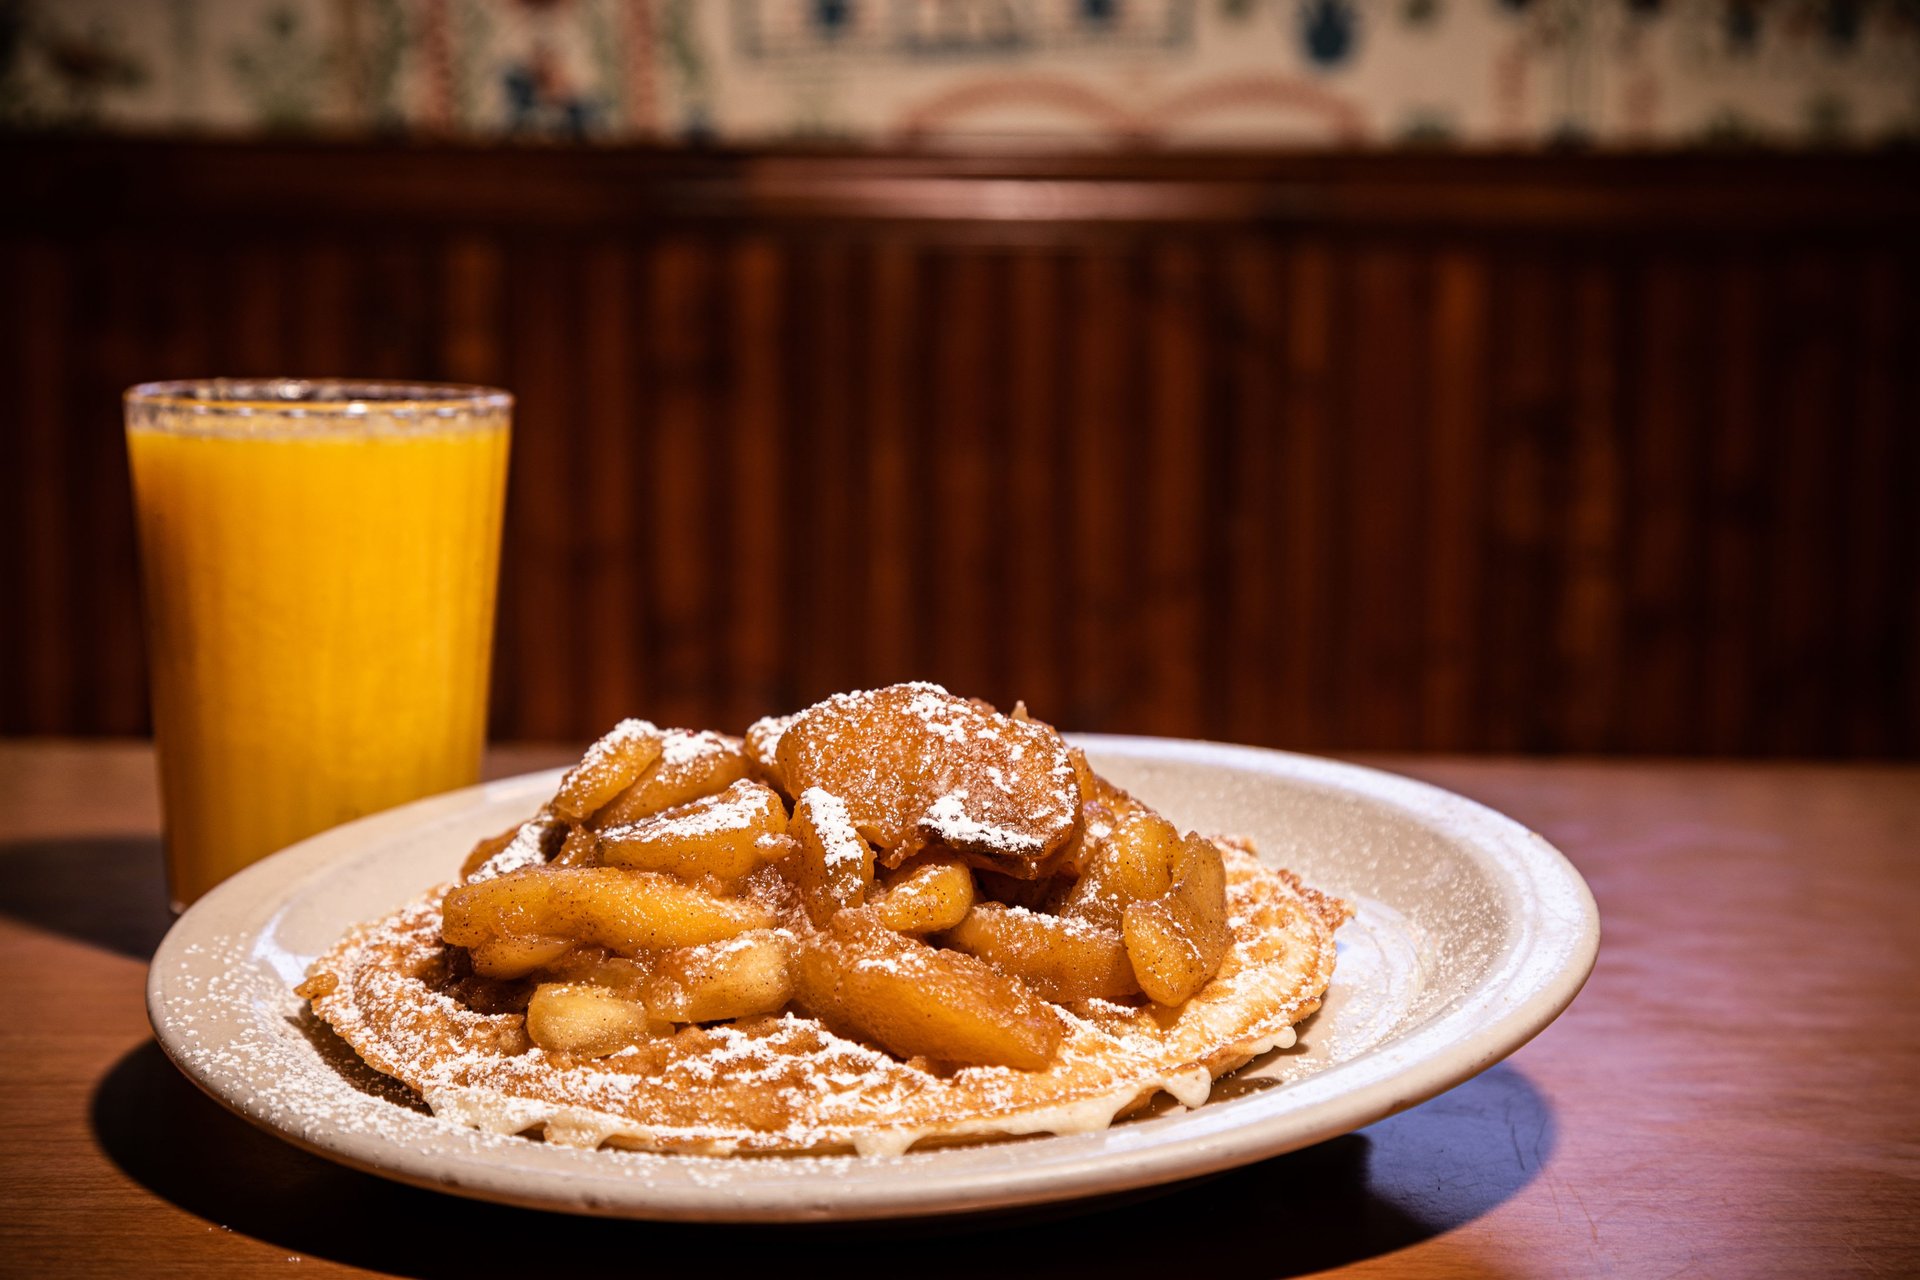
[1404, 1180]
[109, 891]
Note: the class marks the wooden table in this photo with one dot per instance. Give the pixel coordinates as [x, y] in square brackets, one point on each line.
[1737, 1092]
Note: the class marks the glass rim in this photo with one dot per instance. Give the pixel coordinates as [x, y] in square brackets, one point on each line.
[307, 397]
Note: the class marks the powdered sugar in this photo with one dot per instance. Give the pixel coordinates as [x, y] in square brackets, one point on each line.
[682, 747]
[528, 848]
[739, 808]
[617, 740]
[1073, 926]
[949, 821]
[944, 716]
[763, 739]
[839, 842]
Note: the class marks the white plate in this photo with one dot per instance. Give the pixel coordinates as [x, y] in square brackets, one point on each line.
[1473, 933]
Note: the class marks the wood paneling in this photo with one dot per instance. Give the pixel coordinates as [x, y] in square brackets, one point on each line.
[1561, 454]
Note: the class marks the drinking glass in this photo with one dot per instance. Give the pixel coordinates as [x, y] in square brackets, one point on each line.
[319, 560]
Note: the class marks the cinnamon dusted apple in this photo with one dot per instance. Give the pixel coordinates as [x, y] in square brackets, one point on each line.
[921, 1001]
[689, 765]
[918, 767]
[928, 895]
[1061, 957]
[724, 835]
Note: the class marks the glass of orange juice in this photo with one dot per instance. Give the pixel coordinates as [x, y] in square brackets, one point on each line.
[319, 559]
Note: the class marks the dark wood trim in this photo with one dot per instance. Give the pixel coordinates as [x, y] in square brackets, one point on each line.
[120, 181]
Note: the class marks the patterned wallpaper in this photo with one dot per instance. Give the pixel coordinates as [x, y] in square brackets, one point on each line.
[1170, 73]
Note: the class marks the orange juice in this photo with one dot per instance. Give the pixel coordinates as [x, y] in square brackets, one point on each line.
[319, 562]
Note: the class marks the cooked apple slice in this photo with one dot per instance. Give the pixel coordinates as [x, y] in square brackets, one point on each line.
[1060, 957]
[771, 885]
[609, 767]
[835, 865]
[622, 975]
[581, 848]
[1095, 789]
[1177, 940]
[586, 1020]
[724, 835]
[1132, 861]
[925, 896]
[690, 765]
[622, 910]
[516, 955]
[918, 1001]
[762, 749]
[533, 843]
[742, 976]
[488, 848]
[917, 766]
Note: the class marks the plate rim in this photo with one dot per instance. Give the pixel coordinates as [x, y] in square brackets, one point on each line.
[1556, 954]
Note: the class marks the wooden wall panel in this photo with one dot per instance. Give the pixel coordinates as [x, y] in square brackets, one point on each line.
[1575, 455]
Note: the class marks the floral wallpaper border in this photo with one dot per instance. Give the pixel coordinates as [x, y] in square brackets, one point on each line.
[1158, 73]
